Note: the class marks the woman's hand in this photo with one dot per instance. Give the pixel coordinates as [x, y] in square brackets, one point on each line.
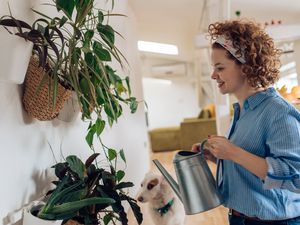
[207, 154]
[221, 148]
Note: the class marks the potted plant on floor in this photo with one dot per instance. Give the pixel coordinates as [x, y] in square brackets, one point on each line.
[86, 193]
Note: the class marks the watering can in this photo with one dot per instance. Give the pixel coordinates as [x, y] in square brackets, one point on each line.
[196, 186]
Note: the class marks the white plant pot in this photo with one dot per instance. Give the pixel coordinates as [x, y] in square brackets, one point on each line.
[29, 219]
[14, 57]
[70, 110]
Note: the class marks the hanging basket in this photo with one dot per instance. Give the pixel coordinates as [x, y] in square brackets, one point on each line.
[36, 99]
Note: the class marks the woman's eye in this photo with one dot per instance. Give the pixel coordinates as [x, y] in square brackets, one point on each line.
[219, 69]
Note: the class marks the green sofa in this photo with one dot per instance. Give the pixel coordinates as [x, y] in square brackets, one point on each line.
[190, 131]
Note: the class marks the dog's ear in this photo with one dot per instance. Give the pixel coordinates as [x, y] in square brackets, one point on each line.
[152, 183]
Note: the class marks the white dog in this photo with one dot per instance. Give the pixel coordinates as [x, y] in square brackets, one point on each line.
[163, 205]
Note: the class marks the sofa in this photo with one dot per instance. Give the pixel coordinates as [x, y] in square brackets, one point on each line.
[190, 131]
[195, 130]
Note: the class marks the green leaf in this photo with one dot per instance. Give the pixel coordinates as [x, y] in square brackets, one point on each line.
[84, 85]
[100, 124]
[76, 205]
[89, 137]
[112, 154]
[76, 165]
[120, 175]
[88, 35]
[67, 6]
[122, 154]
[133, 104]
[128, 85]
[100, 96]
[102, 53]
[107, 218]
[62, 21]
[120, 88]
[109, 111]
[100, 16]
[107, 34]
[89, 59]
[122, 185]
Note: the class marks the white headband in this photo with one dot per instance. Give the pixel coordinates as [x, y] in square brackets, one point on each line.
[227, 44]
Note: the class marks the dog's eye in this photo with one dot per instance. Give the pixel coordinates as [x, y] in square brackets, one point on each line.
[150, 186]
[141, 185]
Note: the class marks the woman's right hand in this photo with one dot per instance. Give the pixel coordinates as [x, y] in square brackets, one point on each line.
[207, 153]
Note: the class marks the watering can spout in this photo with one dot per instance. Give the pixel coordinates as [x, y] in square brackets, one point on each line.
[168, 177]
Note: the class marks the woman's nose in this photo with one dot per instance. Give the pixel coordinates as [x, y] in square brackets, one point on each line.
[214, 75]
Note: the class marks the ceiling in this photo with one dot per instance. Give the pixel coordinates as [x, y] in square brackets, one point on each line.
[178, 21]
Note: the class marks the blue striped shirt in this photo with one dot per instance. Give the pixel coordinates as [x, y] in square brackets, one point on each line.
[269, 127]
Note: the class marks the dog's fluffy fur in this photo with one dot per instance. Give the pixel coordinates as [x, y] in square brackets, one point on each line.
[157, 193]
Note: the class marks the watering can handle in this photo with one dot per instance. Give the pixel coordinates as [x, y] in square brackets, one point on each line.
[202, 147]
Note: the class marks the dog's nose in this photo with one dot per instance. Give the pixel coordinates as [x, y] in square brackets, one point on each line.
[140, 199]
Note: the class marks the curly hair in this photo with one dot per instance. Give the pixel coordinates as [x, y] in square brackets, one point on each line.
[262, 57]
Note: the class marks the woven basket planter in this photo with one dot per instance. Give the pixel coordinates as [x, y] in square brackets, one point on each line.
[38, 103]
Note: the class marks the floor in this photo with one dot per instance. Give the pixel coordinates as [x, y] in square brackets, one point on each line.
[217, 216]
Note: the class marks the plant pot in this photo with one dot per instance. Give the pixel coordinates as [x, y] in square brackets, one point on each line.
[70, 110]
[30, 219]
[15, 57]
[37, 99]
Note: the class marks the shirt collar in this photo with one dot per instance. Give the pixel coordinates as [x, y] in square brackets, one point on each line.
[253, 101]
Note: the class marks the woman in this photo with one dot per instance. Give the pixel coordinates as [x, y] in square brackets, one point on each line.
[259, 161]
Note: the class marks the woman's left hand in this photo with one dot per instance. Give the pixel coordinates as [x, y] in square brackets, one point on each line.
[222, 148]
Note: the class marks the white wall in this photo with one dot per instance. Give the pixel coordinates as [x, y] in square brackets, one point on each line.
[168, 104]
[25, 154]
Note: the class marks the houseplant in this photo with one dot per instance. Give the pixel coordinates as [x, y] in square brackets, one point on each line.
[87, 193]
[80, 59]
[82, 45]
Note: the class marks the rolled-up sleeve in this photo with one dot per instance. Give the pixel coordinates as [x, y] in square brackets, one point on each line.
[283, 160]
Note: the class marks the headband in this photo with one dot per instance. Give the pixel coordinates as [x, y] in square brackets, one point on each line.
[227, 44]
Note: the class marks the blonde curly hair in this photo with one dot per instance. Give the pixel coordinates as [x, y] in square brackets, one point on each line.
[262, 57]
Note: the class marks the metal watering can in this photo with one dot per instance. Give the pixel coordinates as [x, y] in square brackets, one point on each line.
[196, 186]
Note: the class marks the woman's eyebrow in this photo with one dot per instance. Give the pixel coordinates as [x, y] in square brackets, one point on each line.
[217, 64]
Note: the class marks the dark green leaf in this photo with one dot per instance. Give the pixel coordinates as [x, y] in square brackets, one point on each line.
[135, 208]
[107, 34]
[128, 85]
[67, 6]
[100, 124]
[133, 105]
[102, 53]
[84, 85]
[108, 110]
[100, 96]
[88, 35]
[76, 205]
[62, 21]
[89, 59]
[100, 16]
[76, 165]
[112, 154]
[122, 185]
[89, 137]
[120, 175]
[60, 170]
[107, 218]
[122, 154]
